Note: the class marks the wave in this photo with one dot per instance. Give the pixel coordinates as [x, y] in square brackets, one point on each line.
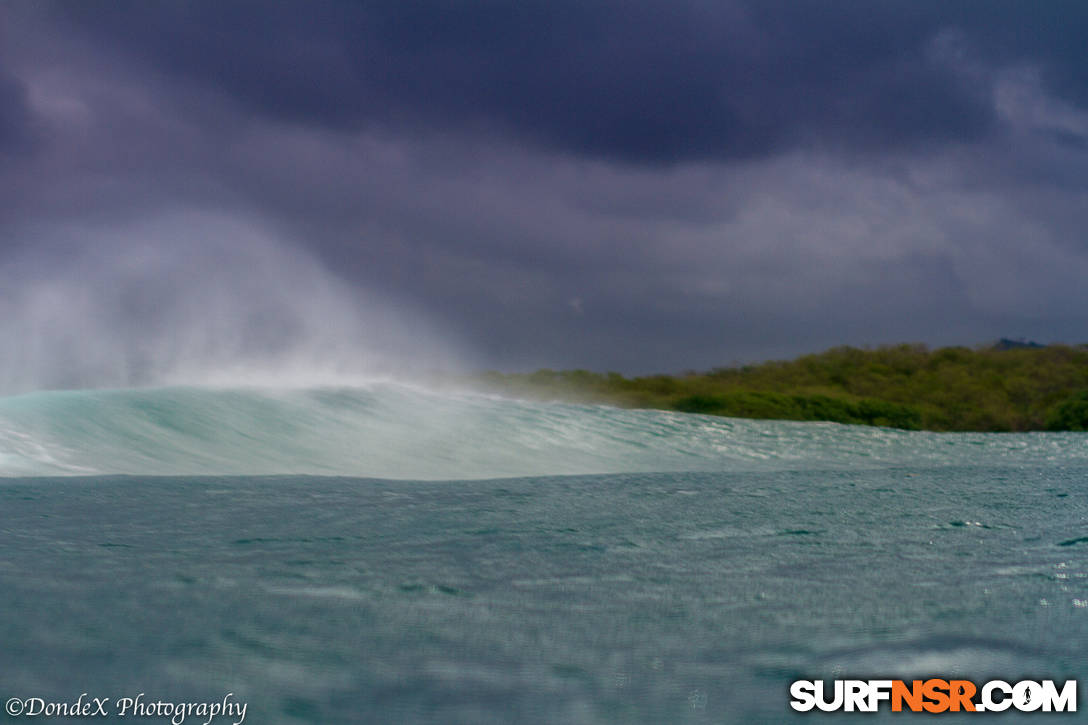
[393, 430]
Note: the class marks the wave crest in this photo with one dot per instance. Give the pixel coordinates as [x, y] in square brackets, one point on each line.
[392, 430]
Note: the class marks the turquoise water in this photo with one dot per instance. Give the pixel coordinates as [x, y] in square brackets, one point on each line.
[389, 554]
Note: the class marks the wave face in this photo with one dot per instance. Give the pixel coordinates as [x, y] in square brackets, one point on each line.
[389, 430]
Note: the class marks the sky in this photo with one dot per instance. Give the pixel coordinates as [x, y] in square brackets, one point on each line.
[613, 185]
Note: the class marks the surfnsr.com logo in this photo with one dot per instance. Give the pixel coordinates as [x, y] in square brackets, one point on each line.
[934, 696]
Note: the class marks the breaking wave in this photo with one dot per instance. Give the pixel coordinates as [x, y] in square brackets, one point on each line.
[393, 430]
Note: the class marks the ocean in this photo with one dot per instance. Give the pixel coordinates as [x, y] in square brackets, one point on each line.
[385, 553]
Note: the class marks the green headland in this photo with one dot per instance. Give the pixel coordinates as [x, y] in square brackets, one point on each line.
[1009, 386]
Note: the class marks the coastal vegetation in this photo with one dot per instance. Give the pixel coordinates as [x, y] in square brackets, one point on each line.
[1004, 387]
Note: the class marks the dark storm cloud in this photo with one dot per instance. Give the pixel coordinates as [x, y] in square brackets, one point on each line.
[16, 120]
[629, 81]
[630, 185]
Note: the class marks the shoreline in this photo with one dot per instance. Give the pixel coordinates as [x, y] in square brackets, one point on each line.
[989, 389]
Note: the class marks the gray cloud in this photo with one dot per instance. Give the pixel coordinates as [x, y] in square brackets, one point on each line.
[16, 120]
[638, 186]
[641, 82]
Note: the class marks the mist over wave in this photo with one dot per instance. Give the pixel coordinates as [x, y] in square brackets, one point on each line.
[392, 430]
[195, 298]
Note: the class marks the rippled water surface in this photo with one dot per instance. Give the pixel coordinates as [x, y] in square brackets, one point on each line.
[480, 574]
